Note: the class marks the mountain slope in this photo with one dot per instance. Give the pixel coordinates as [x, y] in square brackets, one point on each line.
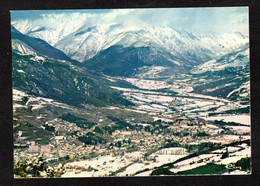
[234, 59]
[227, 76]
[124, 61]
[66, 83]
[29, 45]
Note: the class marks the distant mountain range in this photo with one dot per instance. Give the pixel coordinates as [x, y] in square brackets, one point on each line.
[62, 62]
[42, 70]
[82, 39]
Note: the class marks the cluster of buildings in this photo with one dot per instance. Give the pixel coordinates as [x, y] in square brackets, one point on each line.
[66, 144]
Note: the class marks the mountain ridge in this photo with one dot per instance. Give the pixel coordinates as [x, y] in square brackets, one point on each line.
[36, 46]
[84, 39]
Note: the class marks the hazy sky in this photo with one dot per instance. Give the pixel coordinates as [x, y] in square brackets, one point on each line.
[221, 19]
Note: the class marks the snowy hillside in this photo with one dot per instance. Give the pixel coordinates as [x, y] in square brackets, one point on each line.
[22, 48]
[234, 59]
[25, 45]
[227, 76]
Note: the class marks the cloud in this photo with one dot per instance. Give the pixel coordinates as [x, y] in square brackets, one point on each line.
[220, 19]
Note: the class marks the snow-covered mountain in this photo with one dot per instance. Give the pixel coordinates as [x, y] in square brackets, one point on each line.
[227, 76]
[42, 70]
[119, 50]
[63, 82]
[27, 45]
[80, 38]
[124, 61]
[234, 59]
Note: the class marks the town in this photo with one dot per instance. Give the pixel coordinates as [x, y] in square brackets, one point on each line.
[130, 146]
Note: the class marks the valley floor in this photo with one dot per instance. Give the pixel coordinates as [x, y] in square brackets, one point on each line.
[177, 135]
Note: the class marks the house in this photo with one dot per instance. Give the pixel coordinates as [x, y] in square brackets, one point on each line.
[57, 138]
[34, 149]
[46, 149]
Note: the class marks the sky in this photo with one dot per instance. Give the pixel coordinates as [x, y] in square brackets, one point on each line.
[220, 19]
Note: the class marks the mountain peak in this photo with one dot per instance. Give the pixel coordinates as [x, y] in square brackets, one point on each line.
[83, 39]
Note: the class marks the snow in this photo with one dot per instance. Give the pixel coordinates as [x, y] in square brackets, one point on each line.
[17, 95]
[240, 129]
[187, 167]
[223, 63]
[105, 164]
[229, 160]
[243, 119]
[150, 108]
[80, 37]
[243, 90]
[131, 169]
[138, 111]
[146, 173]
[113, 108]
[207, 97]
[162, 159]
[212, 126]
[151, 72]
[37, 58]
[20, 71]
[22, 48]
[149, 98]
[235, 154]
[175, 62]
[172, 151]
[236, 172]
[159, 160]
[40, 117]
[35, 107]
[193, 105]
[35, 102]
[225, 139]
[230, 150]
[192, 163]
[81, 174]
[244, 153]
[15, 106]
[147, 84]
[163, 119]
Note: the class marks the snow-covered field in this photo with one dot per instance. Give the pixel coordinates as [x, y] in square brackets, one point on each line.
[36, 103]
[243, 119]
[148, 84]
[17, 94]
[156, 159]
[240, 129]
[152, 102]
[235, 154]
[151, 72]
[104, 165]
[240, 59]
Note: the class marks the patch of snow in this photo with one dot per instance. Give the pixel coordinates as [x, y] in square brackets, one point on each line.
[240, 129]
[148, 84]
[145, 173]
[236, 172]
[243, 119]
[229, 160]
[20, 71]
[37, 58]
